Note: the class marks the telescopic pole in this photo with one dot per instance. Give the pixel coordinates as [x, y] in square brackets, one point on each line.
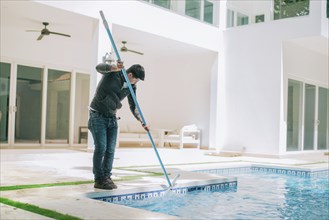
[133, 95]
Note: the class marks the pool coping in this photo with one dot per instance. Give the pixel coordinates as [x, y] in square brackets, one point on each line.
[214, 183]
[183, 185]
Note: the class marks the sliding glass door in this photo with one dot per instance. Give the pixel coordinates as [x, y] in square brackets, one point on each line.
[28, 104]
[323, 119]
[42, 106]
[294, 113]
[58, 106]
[307, 116]
[4, 101]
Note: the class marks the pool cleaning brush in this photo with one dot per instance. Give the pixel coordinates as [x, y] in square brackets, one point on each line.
[173, 183]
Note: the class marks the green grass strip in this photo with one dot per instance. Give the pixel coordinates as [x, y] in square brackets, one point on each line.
[18, 187]
[35, 209]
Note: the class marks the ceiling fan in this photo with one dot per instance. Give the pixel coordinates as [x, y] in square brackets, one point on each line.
[45, 31]
[125, 49]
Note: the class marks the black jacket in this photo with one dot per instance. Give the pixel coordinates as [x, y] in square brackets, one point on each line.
[110, 92]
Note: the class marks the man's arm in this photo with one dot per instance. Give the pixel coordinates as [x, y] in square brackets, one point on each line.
[105, 68]
[134, 110]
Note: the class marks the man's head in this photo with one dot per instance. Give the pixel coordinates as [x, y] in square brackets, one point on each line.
[137, 71]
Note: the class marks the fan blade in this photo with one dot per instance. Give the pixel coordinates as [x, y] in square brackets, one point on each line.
[134, 51]
[66, 35]
[40, 37]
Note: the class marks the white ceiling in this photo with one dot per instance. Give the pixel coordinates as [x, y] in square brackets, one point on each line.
[27, 15]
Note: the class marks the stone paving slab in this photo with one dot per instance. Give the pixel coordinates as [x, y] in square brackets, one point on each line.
[12, 213]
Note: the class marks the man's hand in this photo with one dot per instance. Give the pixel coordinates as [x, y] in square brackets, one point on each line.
[119, 66]
[146, 127]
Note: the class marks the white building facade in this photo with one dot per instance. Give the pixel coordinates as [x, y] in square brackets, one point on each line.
[252, 75]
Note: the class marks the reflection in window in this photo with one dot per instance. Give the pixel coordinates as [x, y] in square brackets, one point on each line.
[81, 108]
[290, 8]
[4, 101]
[58, 105]
[203, 10]
[294, 119]
[327, 8]
[259, 18]
[242, 19]
[230, 18]
[162, 3]
[28, 102]
[309, 117]
[323, 119]
[208, 12]
[192, 8]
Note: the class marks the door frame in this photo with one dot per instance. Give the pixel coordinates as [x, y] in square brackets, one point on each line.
[317, 84]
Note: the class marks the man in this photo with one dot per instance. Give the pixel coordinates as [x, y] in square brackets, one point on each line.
[111, 90]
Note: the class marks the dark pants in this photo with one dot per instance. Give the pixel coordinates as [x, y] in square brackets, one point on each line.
[104, 131]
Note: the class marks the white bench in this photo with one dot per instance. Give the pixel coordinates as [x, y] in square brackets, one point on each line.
[133, 134]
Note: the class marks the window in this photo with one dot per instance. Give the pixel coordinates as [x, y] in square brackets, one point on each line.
[309, 116]
[259, 18]
[162, 3]
[4, 100]
[28, 104]
[192, 8]
[230, 18]
[81, 108]
[294, 115]
[208, 12]
[290, 8]
[58, 106]
[242, 19]
[327, 8]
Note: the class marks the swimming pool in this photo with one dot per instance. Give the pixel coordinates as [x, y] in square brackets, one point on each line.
[262, 193]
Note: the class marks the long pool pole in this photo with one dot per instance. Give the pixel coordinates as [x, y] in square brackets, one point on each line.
[133, 95]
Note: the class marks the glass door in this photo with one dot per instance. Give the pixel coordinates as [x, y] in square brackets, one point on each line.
[4, 101]
[81, 111]
[28, 104]
[58, 106]
[323, 119]
[294, 113]
[309, 117]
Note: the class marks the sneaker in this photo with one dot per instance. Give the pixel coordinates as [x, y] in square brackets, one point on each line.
[103, 185]
[110, 182]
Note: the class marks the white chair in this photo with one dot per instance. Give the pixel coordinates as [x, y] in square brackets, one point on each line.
[189, 134]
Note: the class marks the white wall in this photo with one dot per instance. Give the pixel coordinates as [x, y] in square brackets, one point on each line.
[253, 81]
[176, 90]
[305, 63]
[174, 95]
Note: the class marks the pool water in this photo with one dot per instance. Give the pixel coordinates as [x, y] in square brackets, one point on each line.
[258, 196]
